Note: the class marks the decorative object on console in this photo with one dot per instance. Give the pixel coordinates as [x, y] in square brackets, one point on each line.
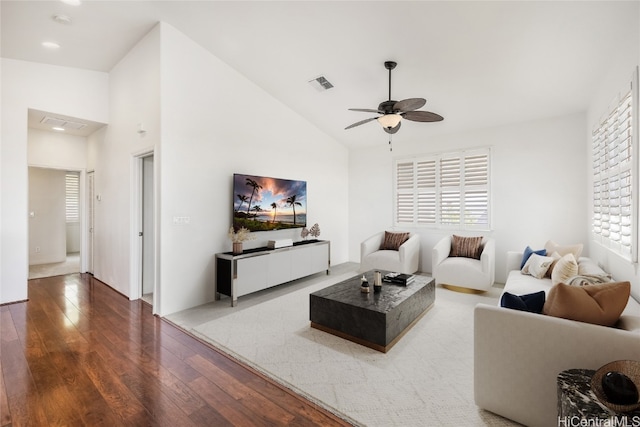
[280, 243]
[239, 236]
[304, 233]
[315, 230]
[252, 194]
[616, 385]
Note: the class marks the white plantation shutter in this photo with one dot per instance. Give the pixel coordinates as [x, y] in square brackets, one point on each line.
[614, 190]
[449, 190]
[426, 192]
[405, 177]
[72, 196]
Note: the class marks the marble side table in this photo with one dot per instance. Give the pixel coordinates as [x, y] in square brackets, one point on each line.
[578, 405]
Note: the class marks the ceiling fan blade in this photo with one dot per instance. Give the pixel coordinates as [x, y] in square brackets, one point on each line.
[393, 130]
[365, 110]
[409, 104]
[422, 116]
[361, 122]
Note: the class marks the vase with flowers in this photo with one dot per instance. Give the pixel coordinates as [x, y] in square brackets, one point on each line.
[237, 236]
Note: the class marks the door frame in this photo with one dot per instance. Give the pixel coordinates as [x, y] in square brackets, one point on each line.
[136, 216]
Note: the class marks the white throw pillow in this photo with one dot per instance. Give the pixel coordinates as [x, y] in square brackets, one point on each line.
[552, 247]
[537, 265]
[564, 269]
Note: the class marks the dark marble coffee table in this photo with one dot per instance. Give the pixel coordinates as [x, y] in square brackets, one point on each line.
[376, 320]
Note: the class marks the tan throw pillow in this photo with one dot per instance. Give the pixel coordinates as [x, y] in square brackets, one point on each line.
[537, 265]
[552, 247]
[600, 304]
[468, 247]
[564, 269]
[393, 241]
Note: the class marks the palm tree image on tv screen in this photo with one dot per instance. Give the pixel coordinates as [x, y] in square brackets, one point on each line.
[262, 203]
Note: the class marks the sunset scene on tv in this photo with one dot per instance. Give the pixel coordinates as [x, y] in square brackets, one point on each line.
[262, 203]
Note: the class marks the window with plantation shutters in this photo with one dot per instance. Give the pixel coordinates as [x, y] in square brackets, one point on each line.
[446, 190]
[614, 148]
[72, 196]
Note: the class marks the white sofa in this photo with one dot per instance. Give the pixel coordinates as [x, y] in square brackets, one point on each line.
[460, 272]
[518, 355]
[404, 260]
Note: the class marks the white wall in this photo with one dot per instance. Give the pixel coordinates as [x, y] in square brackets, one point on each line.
[56, 150]
[214, 123]
[68, 91]
[622, 64]
[538, 188]
[134, 98]
[47, 225]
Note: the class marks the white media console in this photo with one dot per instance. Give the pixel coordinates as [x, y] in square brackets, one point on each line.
[262, 268]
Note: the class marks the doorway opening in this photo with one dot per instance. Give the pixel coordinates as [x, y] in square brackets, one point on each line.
[55, 231]
[144, 277]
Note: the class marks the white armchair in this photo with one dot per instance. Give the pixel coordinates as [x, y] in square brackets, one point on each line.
[461, 273]
[404, 260]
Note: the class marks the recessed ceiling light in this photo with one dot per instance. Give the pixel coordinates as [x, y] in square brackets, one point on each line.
[71, 2]
[51, 45]
[62, 19]
[58, 128]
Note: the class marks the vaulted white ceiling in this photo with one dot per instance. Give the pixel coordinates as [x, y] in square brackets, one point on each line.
[477, 63]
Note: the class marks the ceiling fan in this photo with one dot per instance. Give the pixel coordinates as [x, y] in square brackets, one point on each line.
[392, 112]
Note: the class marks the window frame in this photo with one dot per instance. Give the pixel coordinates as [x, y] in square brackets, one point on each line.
[72, 202]
[421, 184]
[609, 171]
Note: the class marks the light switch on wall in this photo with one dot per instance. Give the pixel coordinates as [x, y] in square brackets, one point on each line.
[181, 220]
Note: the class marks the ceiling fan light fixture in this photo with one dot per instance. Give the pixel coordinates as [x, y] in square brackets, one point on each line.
[389, 120]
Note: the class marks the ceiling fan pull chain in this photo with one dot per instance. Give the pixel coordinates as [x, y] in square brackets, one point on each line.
[390, 145]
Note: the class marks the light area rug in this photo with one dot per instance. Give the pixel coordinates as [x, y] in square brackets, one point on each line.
[426, 379]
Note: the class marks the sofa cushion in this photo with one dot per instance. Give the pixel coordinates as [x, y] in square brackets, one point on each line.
[564, 269]
[530, 302]
[393, 241]
[575, 249]
[537, 266]
[527, 253]
[600, 304]
[468, 247]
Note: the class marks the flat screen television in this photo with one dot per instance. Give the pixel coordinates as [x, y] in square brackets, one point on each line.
[262, 204]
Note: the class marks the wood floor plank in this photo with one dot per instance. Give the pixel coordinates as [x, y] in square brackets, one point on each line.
[79, 353]
[5, 413]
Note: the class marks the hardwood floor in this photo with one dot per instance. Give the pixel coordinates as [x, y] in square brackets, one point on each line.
[78, 353]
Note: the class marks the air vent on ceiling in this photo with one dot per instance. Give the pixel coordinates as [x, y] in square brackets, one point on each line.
[63, 123]
[321, 83]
